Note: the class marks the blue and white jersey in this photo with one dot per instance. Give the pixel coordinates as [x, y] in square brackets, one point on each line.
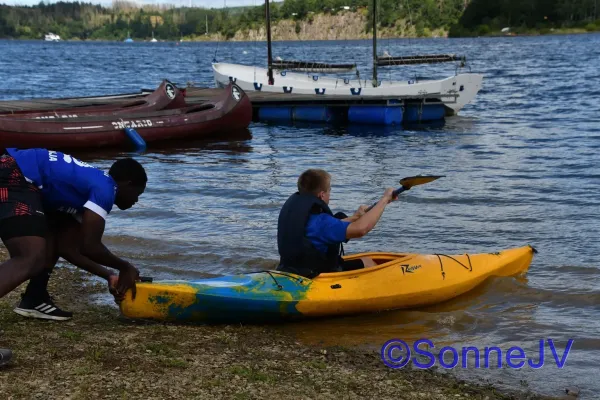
[67, 184]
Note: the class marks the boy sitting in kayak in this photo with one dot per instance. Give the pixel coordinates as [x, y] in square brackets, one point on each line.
[310, 237]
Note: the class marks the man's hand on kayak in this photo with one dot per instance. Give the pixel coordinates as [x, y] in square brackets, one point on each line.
[127, 278]
[113, 281]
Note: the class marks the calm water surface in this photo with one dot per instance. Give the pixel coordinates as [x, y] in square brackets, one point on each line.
[521, 165]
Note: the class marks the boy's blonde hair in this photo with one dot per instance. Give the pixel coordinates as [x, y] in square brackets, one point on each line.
[313, 181]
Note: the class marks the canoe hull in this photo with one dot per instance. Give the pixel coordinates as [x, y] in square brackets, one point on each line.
[166, 96]
[399, 281]
[228, 112]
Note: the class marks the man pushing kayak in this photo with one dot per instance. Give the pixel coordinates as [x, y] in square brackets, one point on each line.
[37, 188]
[310, 237]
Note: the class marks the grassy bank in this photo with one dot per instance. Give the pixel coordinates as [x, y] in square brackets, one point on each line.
[101, 355]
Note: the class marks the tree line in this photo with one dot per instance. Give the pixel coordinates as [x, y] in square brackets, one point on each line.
[483, 16]
[461, 17]
[84, 21]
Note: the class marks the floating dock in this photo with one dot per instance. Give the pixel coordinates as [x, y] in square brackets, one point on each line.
[287, 107]
[390, 110]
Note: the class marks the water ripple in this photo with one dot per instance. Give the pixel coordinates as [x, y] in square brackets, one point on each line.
[521, 166]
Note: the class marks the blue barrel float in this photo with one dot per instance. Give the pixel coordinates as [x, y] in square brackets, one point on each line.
[136, 140]
[313, 114]
[275, 113]
[418, 112]
[298, 113]
[375, 115]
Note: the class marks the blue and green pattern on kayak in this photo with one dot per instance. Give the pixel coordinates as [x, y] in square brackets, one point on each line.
[257, 296]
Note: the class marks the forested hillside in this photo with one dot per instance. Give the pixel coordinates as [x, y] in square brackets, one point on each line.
[298, 19]
[87, 21]
[483, 17]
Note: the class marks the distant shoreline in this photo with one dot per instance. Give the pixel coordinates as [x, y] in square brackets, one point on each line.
[561, 32]
[527, 33]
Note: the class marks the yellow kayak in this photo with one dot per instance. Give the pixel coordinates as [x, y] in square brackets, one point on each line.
[400, 280]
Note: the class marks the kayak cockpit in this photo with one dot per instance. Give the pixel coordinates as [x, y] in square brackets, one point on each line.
[382, 260]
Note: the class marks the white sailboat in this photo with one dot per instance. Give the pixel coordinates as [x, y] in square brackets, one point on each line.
[153, 38]
[454, 92]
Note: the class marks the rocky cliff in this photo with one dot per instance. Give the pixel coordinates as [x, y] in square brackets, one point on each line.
[343, 26]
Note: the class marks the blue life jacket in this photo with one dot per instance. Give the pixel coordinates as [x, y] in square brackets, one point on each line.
[297, 254]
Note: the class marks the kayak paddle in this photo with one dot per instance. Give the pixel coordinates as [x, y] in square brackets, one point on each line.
[411, 181]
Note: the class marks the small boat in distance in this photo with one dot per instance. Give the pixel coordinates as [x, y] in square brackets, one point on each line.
[51, 37]
[129, 39]
[153, 38]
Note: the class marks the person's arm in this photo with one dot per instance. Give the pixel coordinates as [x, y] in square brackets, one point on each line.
[80, 261]
[67, 246]
[67, 243]
[92, 227]
[359, 213]
[367, 222]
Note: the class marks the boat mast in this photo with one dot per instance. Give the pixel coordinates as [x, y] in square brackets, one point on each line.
[374, 43]
[269, 54]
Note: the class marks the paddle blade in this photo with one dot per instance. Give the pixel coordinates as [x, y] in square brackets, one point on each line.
[411, 181]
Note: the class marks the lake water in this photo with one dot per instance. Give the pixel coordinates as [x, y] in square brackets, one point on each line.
[521, 165]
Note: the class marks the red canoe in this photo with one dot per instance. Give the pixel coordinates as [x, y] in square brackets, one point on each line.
[166, 96]
[229, 111]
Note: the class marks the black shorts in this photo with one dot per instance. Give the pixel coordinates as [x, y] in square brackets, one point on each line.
[56, 220]
[21, 210]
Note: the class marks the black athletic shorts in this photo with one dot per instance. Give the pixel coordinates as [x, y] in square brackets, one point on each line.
[21, 210]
